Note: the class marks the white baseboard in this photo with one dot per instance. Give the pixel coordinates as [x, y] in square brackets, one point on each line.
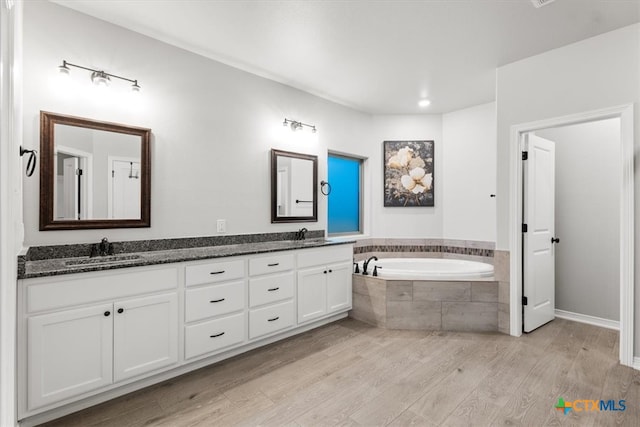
[591, 320]
[636, 363]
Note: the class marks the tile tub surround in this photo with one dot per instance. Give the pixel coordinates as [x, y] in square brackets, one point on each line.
[373, 308]
[470, 306]
[51, 260]
[425, 248]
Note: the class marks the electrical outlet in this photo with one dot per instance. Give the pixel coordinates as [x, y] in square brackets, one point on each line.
[222, 225]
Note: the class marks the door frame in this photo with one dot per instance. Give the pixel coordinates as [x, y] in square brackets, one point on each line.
[85, 162]
[626, 115]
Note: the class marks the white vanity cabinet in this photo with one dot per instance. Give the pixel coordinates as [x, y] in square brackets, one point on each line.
[271, 294]
[70, 352]
[324, 282]
[87, 337]
[215, 302]
[88, 332]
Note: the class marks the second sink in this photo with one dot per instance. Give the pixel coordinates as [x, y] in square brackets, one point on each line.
[102, 260]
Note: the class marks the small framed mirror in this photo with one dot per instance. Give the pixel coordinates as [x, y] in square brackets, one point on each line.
[294, 179]
[93, 174]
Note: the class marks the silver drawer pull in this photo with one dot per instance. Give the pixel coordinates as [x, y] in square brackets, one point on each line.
[272, 289]
[217, 272]
[273, 320]
[217, 300]
[216, 335]
[273, 265]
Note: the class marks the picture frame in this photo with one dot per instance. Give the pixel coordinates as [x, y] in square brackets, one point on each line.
[408, 173]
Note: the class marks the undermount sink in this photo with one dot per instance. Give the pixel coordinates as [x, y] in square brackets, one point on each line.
[109, 259]
[309, 242]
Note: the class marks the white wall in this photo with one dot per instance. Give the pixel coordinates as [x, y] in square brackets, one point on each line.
[587, 217]
[469, 173]
[415, 222]
[588, 75]
[212, 125]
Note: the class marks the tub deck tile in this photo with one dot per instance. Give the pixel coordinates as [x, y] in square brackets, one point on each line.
[484, 292]
[469, 316]
[441, 291]
[399, 290]
[414, 315]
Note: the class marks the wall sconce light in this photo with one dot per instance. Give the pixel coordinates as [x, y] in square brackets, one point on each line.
[98, 77]
[295, 125]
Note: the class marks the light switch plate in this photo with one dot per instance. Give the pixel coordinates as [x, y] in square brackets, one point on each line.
[222, 226]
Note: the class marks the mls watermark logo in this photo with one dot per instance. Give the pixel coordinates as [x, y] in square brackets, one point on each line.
[588, 405]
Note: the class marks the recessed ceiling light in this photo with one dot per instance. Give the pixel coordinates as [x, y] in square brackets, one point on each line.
[424, 103]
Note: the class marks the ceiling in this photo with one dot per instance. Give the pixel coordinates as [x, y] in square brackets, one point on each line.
[379, 57]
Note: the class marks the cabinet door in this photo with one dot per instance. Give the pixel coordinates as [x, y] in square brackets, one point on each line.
[312, 293]
[339, 287]
[69, 353]
[145, 335]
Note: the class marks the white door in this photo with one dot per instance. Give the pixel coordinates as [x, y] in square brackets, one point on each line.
[539, 213]
[145, 335]
[69, 353]
[339, 287]
[125, 189]
[70, 188]
[312, 293]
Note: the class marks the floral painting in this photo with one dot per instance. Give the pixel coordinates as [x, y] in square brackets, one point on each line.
[408, 173]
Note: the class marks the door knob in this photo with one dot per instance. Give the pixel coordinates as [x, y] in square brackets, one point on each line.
[555, 240]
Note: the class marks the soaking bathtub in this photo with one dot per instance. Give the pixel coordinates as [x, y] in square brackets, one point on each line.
[429, 269]
[428, 294]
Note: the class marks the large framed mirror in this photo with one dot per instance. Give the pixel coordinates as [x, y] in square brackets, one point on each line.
[93, 174]
[294, 179]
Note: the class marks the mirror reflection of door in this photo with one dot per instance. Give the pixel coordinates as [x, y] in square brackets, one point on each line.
[73, 179]
[70, 185]
[124, 191]
[301, 191]
[283, 191]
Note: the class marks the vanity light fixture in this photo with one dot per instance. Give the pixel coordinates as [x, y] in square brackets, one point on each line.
[295, 125]
[98, 77]
[424, 103]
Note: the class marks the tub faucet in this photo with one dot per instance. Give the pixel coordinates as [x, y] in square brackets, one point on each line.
[366, 264]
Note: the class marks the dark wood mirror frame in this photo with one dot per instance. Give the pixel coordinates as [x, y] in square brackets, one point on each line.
[47, 179]
[274, 187]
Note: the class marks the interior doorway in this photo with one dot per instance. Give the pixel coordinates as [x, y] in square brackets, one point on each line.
[123, 200]
[625, 230]
[73, 172]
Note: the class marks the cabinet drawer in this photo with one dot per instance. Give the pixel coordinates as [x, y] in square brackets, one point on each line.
[322, 256]
[213, 335]
[215, 300]
[270, 319]
[268, 289]
[214, 272]
[270, 264]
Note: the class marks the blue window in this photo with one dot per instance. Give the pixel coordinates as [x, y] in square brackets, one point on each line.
[345, 199]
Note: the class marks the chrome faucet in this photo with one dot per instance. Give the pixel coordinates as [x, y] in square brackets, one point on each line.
[366, 264]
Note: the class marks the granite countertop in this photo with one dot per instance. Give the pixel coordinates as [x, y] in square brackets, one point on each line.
[60, 266]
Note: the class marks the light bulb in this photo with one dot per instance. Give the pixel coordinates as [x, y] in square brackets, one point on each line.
[63, 69]
[424, 103]
[100, 78]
